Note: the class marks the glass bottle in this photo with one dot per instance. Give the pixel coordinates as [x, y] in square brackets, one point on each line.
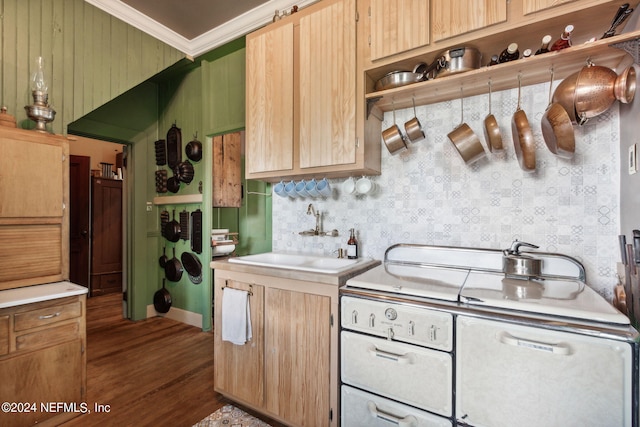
[544, 46]
[511, 53]
[494, 60]
[564, 41]
[352, 245]
[526, 53]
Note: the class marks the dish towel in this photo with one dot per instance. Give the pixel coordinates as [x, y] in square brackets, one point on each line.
[236, 316]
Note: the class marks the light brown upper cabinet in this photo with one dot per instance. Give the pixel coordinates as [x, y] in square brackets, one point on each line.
[304, 116]
[269, 101]
[531, 6]
[398, 26]
[454, 17]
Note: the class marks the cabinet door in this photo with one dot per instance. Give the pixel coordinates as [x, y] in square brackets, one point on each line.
[327, 62]
[297, 334]
[53, 374]
[398, 26]
[239, 369]
[454, 17]
[269, 101]
[531, 6]
[31, 179]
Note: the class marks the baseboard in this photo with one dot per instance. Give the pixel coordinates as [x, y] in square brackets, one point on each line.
[184, 316]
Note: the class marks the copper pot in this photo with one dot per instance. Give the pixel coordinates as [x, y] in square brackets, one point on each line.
[492, 134]
[465, 141]
[557, 128]
[523, 141]
[393, 138]
[592, 90]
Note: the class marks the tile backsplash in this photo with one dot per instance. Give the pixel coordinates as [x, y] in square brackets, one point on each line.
[426, 194]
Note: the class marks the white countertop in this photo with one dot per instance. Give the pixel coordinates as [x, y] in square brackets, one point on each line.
[37, 293]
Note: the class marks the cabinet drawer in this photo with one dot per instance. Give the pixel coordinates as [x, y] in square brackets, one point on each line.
[4, 335]
[46, 316]
[47, 337]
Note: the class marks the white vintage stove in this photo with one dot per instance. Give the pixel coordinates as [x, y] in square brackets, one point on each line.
[440, 336]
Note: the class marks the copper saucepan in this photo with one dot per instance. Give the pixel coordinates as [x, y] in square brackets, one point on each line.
[492, 134]
[393, 137]
[465, 141]
[557, 128]
[523, 137]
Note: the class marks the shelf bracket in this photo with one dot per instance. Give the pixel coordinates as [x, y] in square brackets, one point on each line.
[371, 102]
[632, 47]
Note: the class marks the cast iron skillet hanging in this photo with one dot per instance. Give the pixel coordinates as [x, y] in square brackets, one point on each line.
[194, 149]
[173, 184]
[173, 268]
[162, 299]
[163, 259]
[172, 229]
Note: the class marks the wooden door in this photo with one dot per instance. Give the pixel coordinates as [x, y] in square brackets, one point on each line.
[79, 195]
[269, 101]
[106, 236]
[398, 26]
[239, 369]
[297, 357]
[454, 17]
[327, 64]
[532, 6]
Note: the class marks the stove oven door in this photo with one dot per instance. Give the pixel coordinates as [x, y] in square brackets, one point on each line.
[410, 374]
[513, 375]
[362, 409]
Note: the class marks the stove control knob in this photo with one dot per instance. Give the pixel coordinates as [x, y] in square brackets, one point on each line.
[391, 314]
[372, 320]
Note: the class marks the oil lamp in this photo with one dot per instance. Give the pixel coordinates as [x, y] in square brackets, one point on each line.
[40, 112]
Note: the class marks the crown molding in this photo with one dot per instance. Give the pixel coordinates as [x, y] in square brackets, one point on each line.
[229, 31]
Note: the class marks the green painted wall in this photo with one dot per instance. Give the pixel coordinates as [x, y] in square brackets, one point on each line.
[113, 82]
[90, 57]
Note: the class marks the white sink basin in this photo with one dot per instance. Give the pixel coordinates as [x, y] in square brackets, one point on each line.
[301, 262]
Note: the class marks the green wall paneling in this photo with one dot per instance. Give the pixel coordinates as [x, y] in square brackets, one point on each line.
[90, 57]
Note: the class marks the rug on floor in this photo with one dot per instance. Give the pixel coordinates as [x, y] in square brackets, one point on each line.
[230, 416]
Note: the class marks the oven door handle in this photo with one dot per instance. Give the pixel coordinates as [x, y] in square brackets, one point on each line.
[560, 349]
[408, 421]
[400, 358]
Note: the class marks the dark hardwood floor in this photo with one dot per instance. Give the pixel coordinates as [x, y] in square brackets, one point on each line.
[154, 372]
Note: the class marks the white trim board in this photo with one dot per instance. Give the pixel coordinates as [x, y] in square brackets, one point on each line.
[225, 33]
[184, 316]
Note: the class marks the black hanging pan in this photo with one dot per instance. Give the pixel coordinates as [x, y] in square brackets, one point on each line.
[174, 146]
[173, 269]
[193, 266]
[172, 229]
[194, 149]
[162, 299]
[163, 259]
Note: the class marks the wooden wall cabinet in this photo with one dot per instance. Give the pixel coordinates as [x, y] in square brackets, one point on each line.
[489, 26]
[303, 113]
[288, 371]
[227, 170]
[43, 359]
[34, 178]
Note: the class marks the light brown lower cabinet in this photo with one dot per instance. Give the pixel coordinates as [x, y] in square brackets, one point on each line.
[288, 371]
[43, 362]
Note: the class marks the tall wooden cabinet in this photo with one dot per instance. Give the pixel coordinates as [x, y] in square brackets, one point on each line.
[303, 115]
[42, 317]
[106, 236]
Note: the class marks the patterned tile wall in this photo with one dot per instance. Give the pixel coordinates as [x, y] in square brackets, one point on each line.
[427, 194]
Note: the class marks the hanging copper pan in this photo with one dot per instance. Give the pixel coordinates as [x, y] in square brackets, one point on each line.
[557, 128]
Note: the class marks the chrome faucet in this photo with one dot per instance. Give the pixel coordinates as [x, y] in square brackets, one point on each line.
[318, 230]
[312, 211]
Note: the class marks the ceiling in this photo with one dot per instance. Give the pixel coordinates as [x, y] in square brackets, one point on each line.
[196, 26]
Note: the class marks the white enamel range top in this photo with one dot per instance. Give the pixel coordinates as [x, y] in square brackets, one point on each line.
[474, 277]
